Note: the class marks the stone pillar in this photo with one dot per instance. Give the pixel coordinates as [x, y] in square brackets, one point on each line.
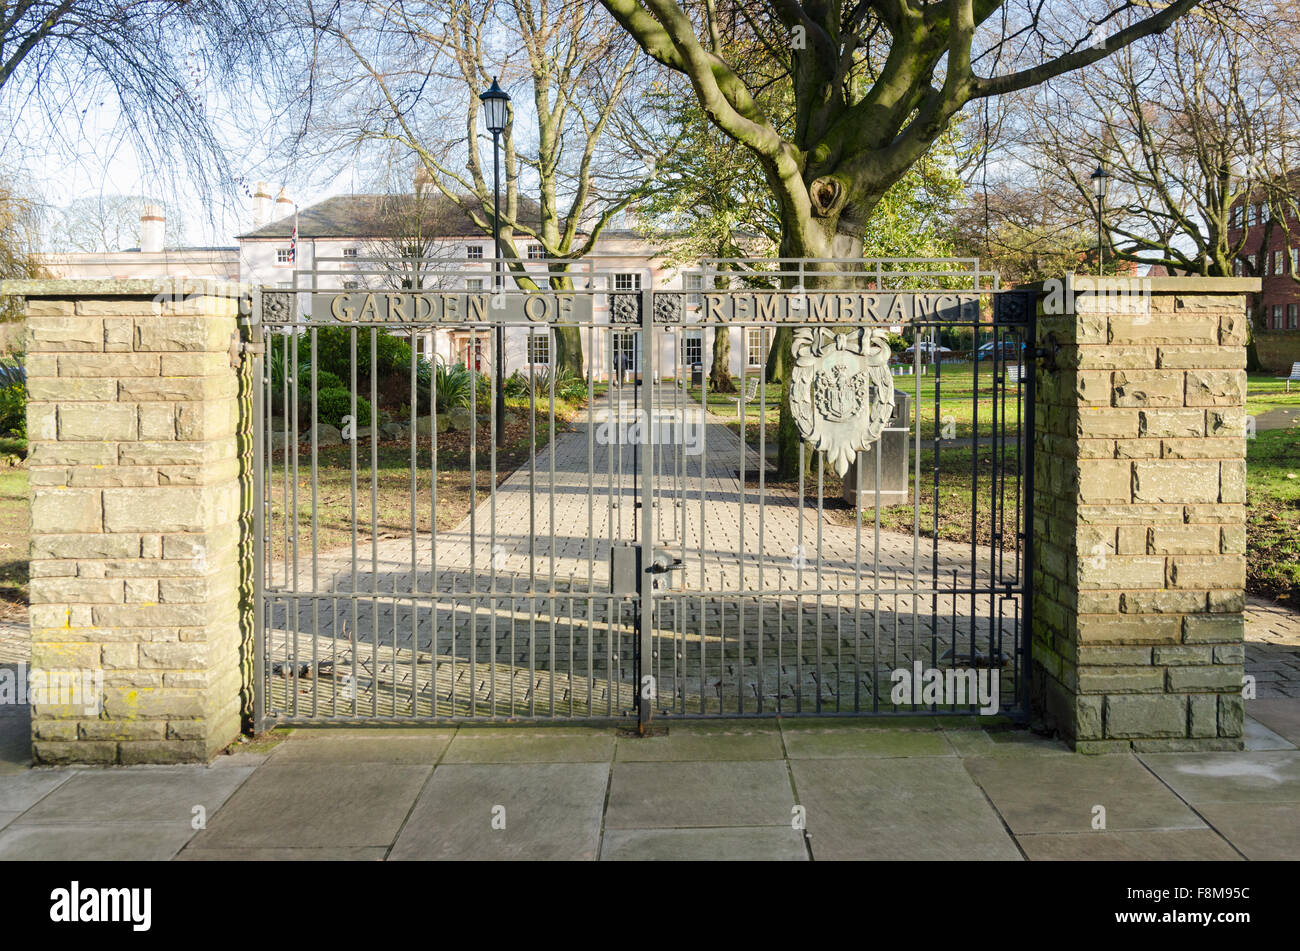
[135, 504]
[1139, 512]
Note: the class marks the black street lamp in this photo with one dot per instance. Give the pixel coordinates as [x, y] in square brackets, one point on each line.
[496, 112]
[1100, 181]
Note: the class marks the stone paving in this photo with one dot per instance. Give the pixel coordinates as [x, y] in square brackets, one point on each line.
[787, 790]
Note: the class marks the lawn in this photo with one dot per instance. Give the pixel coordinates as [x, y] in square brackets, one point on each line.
[13, 541]
[1273, 515]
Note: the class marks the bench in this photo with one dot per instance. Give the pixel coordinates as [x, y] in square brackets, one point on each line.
[1015, 373]
[1294, 377]
[751, 393]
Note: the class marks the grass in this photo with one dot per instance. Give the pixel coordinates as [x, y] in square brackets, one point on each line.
[1273, 515]
[14, 535]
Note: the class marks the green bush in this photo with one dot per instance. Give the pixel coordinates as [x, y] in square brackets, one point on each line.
[13, 398]
[336, 402]
[453, 385]
[334, 352]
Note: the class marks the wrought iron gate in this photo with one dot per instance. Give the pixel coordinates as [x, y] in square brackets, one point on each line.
[650, 557]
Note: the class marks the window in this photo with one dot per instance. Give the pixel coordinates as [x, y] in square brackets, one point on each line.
[536, 252]
[754, 349]
[1250, 259]
[473, 283]
[539, 347]
[693, 347]
[1277, 316]
[1265, 212]
[412, 251]
[283, 256]
[284, 284]
[627, 282]
[1236, 267]
[349, 252]
[474, 252]
[351, 285]
[694, 282]
[1278, 260]
[626, 351]
[1250, 216]
[1235, 217]
[1292, 317]
[1295, 260]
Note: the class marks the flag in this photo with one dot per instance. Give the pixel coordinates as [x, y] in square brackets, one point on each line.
[293, 238]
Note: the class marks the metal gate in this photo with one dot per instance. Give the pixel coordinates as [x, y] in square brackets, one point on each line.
[625, 545]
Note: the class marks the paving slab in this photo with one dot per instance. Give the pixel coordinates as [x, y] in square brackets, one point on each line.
[699, 795]
[1282, 716]
[490, 745]
[699, 747]
[137, 794]
[1174, 846]
[739, 726]
[1059, 793]
[1264, 776]
[8, 817]
[550, 811]
[1260, 737]
[414, 749]
[15, 740]
[1263, 831]
[94, 842]
[762, 844]
[309, 805]
[897, 809]
[839, 743]
[1004, 743]
[370, 854]
[20, 791]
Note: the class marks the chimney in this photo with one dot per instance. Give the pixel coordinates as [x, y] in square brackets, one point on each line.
[151, 229]
[261, 205]
[283, 205]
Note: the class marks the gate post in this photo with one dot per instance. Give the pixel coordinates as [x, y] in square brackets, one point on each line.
[135, 510]
[1139, 512]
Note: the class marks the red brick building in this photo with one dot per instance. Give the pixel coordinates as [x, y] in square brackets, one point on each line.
[1278, 267]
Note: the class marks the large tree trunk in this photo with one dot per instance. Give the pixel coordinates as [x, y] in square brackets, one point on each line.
[720, 373]
[568, 351]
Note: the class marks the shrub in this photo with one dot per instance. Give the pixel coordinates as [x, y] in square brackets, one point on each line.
[453, 383]
[336, 402]
[13, 398]
[334, 352]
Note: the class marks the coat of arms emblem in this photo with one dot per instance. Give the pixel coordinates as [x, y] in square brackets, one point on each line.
[841, 392]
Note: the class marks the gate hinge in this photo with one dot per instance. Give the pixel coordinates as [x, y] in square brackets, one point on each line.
[238, 347]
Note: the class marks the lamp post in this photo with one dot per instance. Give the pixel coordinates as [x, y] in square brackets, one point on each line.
[1100, 181]
[496, 111]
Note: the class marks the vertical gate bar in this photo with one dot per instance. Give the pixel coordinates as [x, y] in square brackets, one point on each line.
[374, 520]
[550, 453]
[703, 522]
[1025, 627]
[490, 602]
[764, 342]
[591, 499]
[857, 589]
[315, 537]
[355, 633]
[934, 546]
[875, 598]
[740, 549]
[532, 536]
[475, 356]
[260, 671]
[916, 499]
[415, 578]
[645, 690]
[291, 450]
[433, 532]
[821, 492]
[974, 494]
[802, 560]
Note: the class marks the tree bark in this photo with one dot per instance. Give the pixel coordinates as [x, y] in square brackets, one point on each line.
[720, 380]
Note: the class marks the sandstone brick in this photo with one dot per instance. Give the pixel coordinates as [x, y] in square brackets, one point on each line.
[64, 334]
[115, 476]
[1203, 448]
[1158, 716]
[1161, 330]
[1234, 329]
[109, 365]
[1183, 655]
[71, 454]
[1109, 680]
[117, 307]
[1202, 715]
[157, 421]
[1214, 628]
[1207, 678]
[1100, 423]
[1142, 388]
[118, 334]
[1115, 358]
[1105, 481]
[1137, 449]
[1232, 486]
[76, 591]
[156, 334]
[1227, 602]
[74, 390]
[1232, 539]
[99, 422]
[1174, 423]
[48, 307]
[1195, 358]
[53, 753]
[72, 510]
[1185, 540]
[1216, 387]
[123, 729]
[1129, 631]
[1232, 715]
[1228, 423]
[1184, 481]
[1213, 571]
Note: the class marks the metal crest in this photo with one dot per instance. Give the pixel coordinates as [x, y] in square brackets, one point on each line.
[841, 391]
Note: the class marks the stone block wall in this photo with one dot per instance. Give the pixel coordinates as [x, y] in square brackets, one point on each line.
[135, 504]
[1139, 513]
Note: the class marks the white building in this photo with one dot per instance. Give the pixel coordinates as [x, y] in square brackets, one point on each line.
[348, 242]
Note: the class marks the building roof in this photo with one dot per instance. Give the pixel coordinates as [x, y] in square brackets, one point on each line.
[362, 216]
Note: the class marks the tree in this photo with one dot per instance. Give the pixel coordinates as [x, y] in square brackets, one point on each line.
[108, 223]
[873, 85]
[19, 219]
[405, 231]
[157, 66]
[407, 76]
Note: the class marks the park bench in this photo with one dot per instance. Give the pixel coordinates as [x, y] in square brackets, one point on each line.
[751, 393]
[1294, 377]
[1015, 373]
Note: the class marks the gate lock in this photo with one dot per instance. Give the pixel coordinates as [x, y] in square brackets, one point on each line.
[663, 563]
[625, 567]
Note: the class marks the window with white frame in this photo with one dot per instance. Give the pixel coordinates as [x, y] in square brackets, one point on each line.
[536, 252]
[473, 283]
[1236, 267]
[1295, 260]
[1278, 265]
[1235, 216]
[283, 256]
[1292, 316]
[694, 282]
[1277, 316]
[539, 347]
[351, 285]
[627, 282]
[1265, 212]
[693, 349]
[1250, 259]
[349, 252]
[755, 354]
[474, 252]
[1250, 216]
